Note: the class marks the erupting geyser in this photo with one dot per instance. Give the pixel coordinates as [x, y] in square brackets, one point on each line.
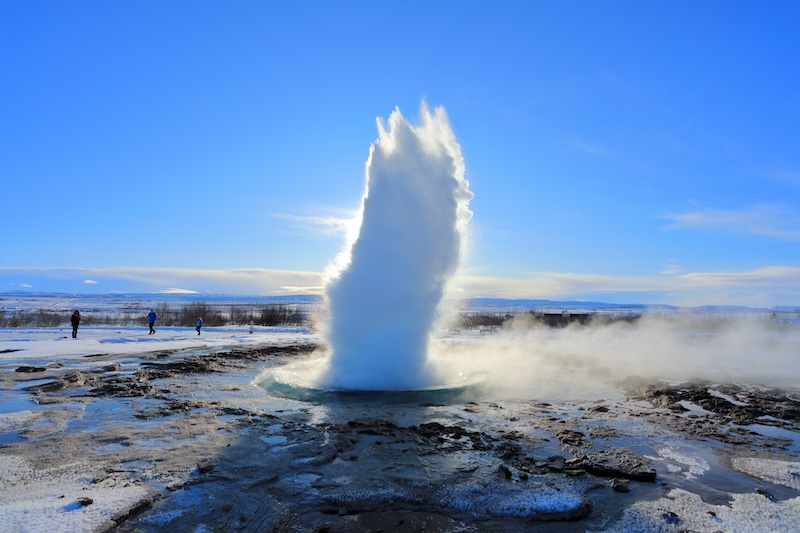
[383, 300]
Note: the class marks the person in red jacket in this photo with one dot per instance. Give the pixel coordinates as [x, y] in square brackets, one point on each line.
[76, 320]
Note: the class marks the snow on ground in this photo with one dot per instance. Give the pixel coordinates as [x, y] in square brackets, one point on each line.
[33, 499]
[77, 494]
[49, 343]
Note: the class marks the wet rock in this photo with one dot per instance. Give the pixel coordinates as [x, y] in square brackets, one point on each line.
[616, 462]
[29, 369]
[620, 485]
[74, 377]
[204, 467]
[766, 494]
[570, 437]
[51, 386]
[556, 463]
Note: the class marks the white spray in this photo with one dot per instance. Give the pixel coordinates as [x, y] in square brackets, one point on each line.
[383, 302]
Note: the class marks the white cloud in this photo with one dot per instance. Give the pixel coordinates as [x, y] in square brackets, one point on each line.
[176, 291]
[767, 286]
[254, 281]
[593, 149]
[337, 224]
[90, 282]
[762, 287]
[770, 220]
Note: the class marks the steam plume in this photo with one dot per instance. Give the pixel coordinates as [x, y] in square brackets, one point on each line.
[383, 303]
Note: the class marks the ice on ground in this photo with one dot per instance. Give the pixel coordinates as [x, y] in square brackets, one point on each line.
[774, 432]
[694, 466]
[726, 397]
[37, 344]
[11, 421]
[786, 473]
[50, 500]
[540, 501]
[681, 510]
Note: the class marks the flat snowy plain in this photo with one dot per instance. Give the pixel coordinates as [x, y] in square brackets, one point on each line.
[119, 430]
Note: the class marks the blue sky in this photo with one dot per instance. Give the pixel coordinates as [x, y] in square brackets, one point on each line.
[630, 152]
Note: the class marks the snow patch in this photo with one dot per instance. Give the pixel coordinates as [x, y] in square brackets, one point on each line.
[46, 499]
[786, 473]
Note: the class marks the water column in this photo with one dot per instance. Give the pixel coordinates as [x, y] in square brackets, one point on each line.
[383, 299]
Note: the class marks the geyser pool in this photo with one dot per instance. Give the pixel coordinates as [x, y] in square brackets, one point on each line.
[384, 290]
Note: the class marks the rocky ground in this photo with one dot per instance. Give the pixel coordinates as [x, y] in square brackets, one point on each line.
[193, 445]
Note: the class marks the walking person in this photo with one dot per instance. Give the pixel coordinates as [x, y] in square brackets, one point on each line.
[75, 319]
[151, 319]
[198, 324]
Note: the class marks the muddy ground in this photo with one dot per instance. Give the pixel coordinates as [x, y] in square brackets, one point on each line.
[210, 451]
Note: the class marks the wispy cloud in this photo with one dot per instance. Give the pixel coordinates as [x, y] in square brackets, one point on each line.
[336, 224]
[787, 177]
[593, 149]
[775, 220]
[176, 291]
[615, 155]
[133, 279]
[767, 286]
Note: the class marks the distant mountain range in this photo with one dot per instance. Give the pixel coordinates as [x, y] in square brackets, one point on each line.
[498, 305]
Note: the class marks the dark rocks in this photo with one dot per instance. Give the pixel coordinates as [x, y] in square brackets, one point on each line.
[30, 369]
[204, 467]
[616, 462]
[724, 406]
[74, 377]
[51, 386]
[620, 485]
[85, 502]
[570, 437]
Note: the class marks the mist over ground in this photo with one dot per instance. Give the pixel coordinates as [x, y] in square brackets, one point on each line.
[579, 362]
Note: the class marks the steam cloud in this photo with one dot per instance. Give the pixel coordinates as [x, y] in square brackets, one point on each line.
[383, 302]
[585, 362]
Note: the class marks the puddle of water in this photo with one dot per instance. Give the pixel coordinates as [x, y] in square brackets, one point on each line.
[32, 383]
[275, 439]
[15, 404]
[775, 432]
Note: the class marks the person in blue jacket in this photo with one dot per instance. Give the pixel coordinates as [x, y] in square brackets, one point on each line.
[151, 319]
[198, 324]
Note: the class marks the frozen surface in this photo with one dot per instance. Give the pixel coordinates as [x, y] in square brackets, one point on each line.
[180, 428]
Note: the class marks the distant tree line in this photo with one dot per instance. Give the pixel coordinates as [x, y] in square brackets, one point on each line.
[535, 318]
[181, 316]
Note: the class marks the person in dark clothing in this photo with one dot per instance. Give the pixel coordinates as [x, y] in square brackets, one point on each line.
[151, 319]
[75, 319]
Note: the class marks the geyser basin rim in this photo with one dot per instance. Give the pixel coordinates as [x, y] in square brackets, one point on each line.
[282, 376]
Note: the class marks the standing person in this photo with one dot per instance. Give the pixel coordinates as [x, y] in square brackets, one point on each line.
[75, 319]
[151, 319]
[198, 324]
